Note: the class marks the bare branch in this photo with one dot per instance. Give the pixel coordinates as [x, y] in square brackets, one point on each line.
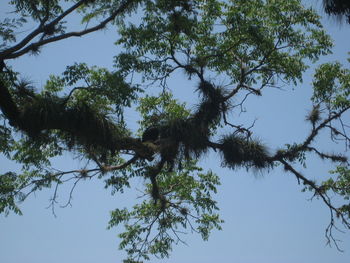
[319, 192]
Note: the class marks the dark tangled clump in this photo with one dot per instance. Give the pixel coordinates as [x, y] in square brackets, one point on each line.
[338, 8]
[238, 151]
[78, 124]
[189, 137]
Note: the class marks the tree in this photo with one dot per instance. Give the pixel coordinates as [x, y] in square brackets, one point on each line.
[340, 8]
[252, 46]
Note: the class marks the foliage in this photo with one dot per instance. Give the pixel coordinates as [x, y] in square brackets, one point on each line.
[332, 85]
[227, 50]
[151, 228]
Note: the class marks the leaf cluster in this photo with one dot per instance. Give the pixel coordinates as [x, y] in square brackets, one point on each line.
[153, 229]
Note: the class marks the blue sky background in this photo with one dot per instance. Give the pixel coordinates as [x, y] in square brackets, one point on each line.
[267, 218]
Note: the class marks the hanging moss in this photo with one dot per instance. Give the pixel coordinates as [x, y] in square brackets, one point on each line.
[78, 124]
[188, 136]
[238, 151]
[37, 113]
[338, 8]
[208, 90]
[213, 104]
[207, 113]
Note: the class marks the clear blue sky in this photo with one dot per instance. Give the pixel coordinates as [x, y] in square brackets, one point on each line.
[267, 218]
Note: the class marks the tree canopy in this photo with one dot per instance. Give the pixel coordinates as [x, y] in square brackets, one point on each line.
[228, 51]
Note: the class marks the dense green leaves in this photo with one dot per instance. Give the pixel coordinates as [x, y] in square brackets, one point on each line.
[7, 30]
[263, 36]
[332, 85]
[99, 88]
[341, 185]
[8, 200]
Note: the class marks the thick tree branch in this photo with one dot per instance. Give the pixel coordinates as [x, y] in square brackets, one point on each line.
[7, 105]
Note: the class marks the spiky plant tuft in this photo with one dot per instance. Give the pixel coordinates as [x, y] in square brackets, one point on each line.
[314, 115]
[210, 92]
[238, 151]
[213, 104]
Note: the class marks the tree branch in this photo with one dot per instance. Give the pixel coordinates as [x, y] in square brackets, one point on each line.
[320, 192]
[314, 132]
[7, 105]
[101, 25]
[40, 29]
